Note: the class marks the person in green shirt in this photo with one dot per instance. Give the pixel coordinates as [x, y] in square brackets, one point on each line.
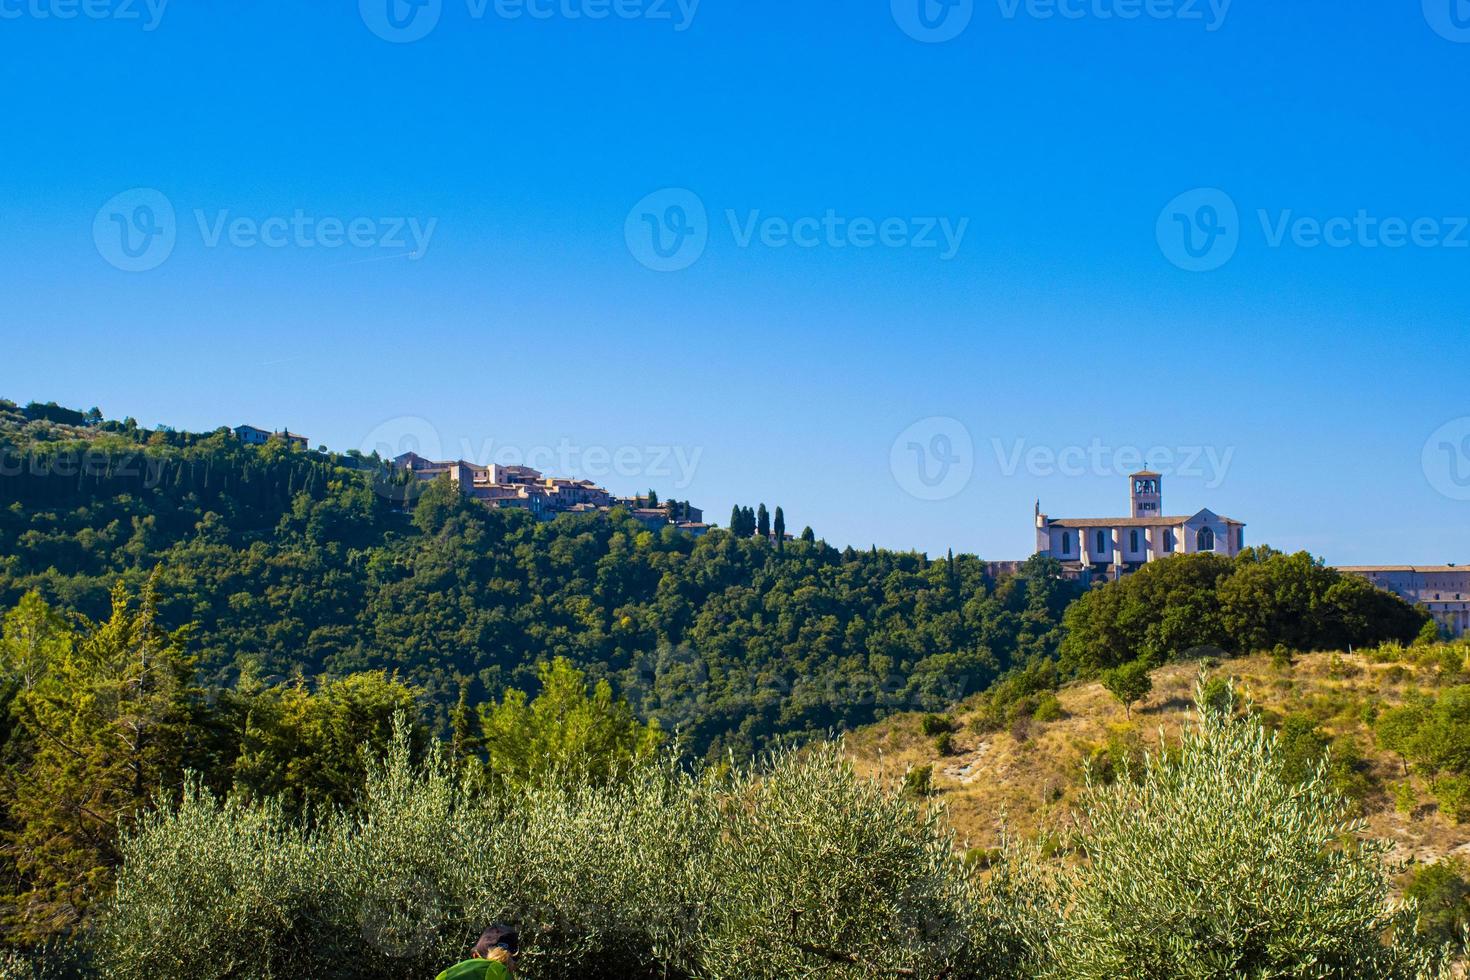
[493, 957]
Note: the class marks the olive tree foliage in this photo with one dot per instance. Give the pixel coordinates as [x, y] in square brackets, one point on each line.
[800, 870]
[1217, 864]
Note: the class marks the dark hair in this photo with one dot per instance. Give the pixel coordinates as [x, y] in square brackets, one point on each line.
[509, 938]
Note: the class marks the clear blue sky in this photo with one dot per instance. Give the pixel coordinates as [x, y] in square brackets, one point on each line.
[1063, 318]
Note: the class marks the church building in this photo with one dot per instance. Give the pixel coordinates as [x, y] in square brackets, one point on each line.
[1111, 547]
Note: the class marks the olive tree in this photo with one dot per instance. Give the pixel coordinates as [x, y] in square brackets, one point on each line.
[1216, 864]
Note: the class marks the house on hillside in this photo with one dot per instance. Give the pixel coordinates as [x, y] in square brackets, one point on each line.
[251, 436]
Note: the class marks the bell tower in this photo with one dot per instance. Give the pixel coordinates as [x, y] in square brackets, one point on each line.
[1145, 491]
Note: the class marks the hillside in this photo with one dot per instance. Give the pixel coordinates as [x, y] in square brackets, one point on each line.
[286, 562]
[1032, 783]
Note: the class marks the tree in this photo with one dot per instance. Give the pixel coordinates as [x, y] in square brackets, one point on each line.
[33, 637]
[312, 749]
[763, 522]
[737, 518]
[1443, 896]
[1397, 728]
[808, 536]
[652, 498]
[1216, 864]
[565, 733]
[779, 529]
[1129, 683]
[109, 723]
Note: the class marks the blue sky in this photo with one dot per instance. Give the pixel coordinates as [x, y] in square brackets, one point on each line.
[1316, 392]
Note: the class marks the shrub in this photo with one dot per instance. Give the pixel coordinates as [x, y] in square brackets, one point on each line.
[1217, 865]
[918, 782]
[1405, 800]
[937, 725]
[800, 869]
[1452, 793]
[1451, 664]
[1443, 897]
[944, 743]
[1281, 657]
[1048, 709]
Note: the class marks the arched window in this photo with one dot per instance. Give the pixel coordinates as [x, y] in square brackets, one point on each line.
[1169, 540]
[1066, 542]
[1101, 543]
[1205, 540]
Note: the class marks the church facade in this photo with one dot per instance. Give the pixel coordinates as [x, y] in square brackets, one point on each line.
[1112, 547]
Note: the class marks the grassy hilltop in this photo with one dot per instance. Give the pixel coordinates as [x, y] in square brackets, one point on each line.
[1026, 777]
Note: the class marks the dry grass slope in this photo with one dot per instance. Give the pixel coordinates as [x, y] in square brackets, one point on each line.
[992, 783]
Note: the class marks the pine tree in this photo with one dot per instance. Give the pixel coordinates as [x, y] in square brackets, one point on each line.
[111, 723]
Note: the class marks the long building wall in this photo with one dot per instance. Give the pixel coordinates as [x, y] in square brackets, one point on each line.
[1442, 589]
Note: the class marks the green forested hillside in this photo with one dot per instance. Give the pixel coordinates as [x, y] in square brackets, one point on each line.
[294, 562]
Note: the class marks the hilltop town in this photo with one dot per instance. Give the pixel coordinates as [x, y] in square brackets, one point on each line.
[521, 487]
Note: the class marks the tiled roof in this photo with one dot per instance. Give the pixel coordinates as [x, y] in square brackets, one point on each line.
[1403, 568]
[1104, 522]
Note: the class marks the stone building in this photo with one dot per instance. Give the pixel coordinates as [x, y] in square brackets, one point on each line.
[1111, 547]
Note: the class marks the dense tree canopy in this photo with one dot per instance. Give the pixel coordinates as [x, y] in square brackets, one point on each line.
[1206, 602]
[291, 563]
